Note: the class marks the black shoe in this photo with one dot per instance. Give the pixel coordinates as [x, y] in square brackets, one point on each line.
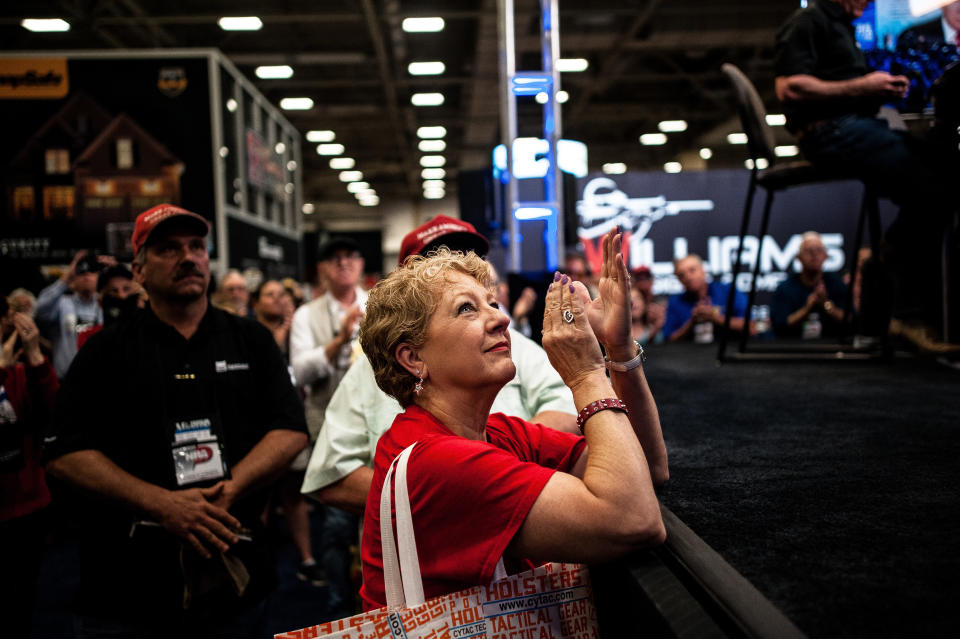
[312, 573]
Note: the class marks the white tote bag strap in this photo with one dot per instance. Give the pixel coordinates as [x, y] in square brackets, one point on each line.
[500, 572]
[401, 577]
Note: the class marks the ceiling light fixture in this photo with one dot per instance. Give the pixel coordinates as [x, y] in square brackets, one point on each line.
[308, 208]
[358, 187]
[432, 161]
[706, 153]
[296, 104]
[653, 139]
[572, 65]
[431, 132]
[434, 184]
[277, 72]
[786, 151]
[426, 68]
[330, 149]
[672, 126]
[241, 23]
[321, 136]
[614, 168]
[45, 25]
[672, 167]
[351, 176]
[432, 146]
[737, 138]
[433, 174]
[340, 164]
[562, 96]
[434, 194]
[776, 119]
[422, 25]
[426, 99]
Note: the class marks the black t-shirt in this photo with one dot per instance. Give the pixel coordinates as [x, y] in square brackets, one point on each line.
[129, 393]
[819, 41]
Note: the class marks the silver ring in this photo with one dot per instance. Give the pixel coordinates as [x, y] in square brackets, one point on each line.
[567, 316]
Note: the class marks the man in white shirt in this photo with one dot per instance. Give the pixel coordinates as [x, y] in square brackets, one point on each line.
[322, 337]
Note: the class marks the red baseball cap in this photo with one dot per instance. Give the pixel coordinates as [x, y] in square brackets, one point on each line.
[150, 219]
[456, 235]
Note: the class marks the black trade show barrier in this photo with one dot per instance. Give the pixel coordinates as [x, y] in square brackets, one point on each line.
[683, 589]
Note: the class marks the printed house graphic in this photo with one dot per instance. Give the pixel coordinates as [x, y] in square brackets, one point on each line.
[91, 168]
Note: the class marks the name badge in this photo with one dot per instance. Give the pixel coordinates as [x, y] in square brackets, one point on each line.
[197, 460]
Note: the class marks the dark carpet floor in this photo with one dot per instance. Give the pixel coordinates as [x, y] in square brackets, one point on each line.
[834, 487]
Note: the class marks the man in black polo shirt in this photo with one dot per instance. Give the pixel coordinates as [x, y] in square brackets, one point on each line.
[171, 424]
[831, 98]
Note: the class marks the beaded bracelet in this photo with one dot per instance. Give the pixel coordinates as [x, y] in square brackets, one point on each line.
[591, 409]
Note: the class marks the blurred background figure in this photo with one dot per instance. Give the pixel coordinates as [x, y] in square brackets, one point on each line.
[273, 307]
[28, 384]
[810, 303]
[645, 327]
[654, 313]
[232, 295]
[697, 313]
[70, 305]
[119, 297]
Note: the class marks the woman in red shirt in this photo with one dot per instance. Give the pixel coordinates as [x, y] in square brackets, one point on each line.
[487, 486]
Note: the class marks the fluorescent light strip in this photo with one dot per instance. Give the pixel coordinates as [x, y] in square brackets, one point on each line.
[45, 25]
[342, 163]
[434, 184]
[653, 139]
[776, 119]
[422, 25]
[614, 168]
[672, 167]
[241, 23]
[296, 104]
[278, 72]
[737, 138]
[432, 161]
[426, 99]
[426, 68]
[432, 146]
[351, 176]
[431, 132]
[321, 136]
[433, 174]
[330, 149]
[672, 126]
[572, 65]
[357, 187]
[786, 151]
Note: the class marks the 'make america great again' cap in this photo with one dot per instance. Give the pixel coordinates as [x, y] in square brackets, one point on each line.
[150, 219]
[455, 234]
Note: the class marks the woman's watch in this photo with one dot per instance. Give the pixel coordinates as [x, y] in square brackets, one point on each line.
[828, 306]
[622, 367]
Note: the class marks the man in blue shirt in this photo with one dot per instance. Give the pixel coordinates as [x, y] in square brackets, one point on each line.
[698, 311]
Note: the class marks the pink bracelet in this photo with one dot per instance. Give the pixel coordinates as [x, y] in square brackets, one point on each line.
[591, 409]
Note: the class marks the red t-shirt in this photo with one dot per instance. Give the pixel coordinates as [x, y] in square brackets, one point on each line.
[468, 498]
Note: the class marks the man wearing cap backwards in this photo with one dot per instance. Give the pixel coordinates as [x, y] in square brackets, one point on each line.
[322, 338]
[169, 425]
[359, 412]
[68, 306]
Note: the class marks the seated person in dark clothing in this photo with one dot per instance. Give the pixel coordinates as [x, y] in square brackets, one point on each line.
[809, 295]
[698, 311]
[831, 98]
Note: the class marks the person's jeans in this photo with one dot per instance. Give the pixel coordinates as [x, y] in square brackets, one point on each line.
[338, 533]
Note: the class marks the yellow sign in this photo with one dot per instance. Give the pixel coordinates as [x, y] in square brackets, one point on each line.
[44, 78]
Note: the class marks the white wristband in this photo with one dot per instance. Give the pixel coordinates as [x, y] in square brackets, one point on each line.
[622, 367]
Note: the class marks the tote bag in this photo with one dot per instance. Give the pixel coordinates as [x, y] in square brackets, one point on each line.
[552, 601]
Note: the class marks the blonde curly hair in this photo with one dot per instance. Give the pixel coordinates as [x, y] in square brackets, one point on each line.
[399, 309]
